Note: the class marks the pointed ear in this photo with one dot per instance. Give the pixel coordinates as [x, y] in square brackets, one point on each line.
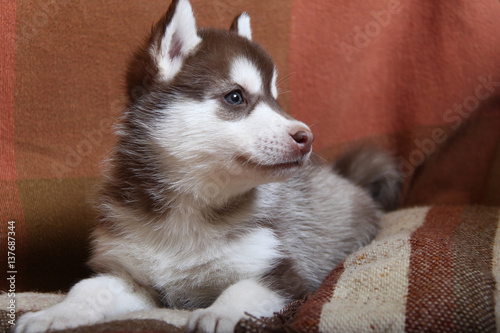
[173, 38]
[241, 25]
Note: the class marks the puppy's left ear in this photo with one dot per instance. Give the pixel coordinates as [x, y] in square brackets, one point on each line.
[241, 25]
[173, 38]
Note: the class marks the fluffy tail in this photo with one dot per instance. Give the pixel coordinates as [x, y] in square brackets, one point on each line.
[376, 171]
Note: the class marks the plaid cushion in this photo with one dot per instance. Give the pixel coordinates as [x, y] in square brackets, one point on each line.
[429, 270]
[419, 78]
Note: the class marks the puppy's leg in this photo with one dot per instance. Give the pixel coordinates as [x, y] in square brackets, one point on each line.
[246, 296]
[90, 301]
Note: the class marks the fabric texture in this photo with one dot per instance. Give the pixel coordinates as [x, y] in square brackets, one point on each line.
[419, 78]
[429, 270]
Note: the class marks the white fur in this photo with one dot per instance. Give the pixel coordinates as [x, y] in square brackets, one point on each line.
[181, 29]
[164, 255]
[274, 87]
[204, 159]
[166, 266]
[270, 135]
[244, 28]
[169, 256]
[245, 297]
[200, 151]
[244, 73]
[90, 301]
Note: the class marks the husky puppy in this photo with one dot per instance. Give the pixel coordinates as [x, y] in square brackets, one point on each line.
[210, 201]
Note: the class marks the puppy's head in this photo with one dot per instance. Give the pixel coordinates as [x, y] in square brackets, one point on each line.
[207, 101]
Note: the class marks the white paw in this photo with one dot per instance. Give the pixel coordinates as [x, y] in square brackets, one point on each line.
[213, 320]
[89, 302]
[32, 322]
[54, 318]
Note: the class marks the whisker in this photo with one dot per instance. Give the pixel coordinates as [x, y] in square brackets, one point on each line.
[284, 92]
[316, 155]
[284, 78]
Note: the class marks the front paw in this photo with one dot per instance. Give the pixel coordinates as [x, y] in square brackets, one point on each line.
[213, 320]
[53, 319]
[32, 322]
[41, 321]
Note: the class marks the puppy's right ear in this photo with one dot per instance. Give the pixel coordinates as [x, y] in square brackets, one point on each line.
[173, 38]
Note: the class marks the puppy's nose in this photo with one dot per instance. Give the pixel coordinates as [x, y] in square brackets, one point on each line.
[304, 140]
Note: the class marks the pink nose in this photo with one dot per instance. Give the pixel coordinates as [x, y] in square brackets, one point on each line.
[304, 140]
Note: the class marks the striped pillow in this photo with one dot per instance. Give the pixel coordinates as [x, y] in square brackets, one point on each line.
[430, 269]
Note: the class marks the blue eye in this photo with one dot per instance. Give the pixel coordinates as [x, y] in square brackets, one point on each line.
[234, 98]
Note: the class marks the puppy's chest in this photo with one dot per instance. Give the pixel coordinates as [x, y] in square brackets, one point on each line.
[213, 264]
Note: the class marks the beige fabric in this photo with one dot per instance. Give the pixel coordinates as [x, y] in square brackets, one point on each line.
[432, 269]
[38, 301]
[374, 280]
[32, 301]
[174, 317]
